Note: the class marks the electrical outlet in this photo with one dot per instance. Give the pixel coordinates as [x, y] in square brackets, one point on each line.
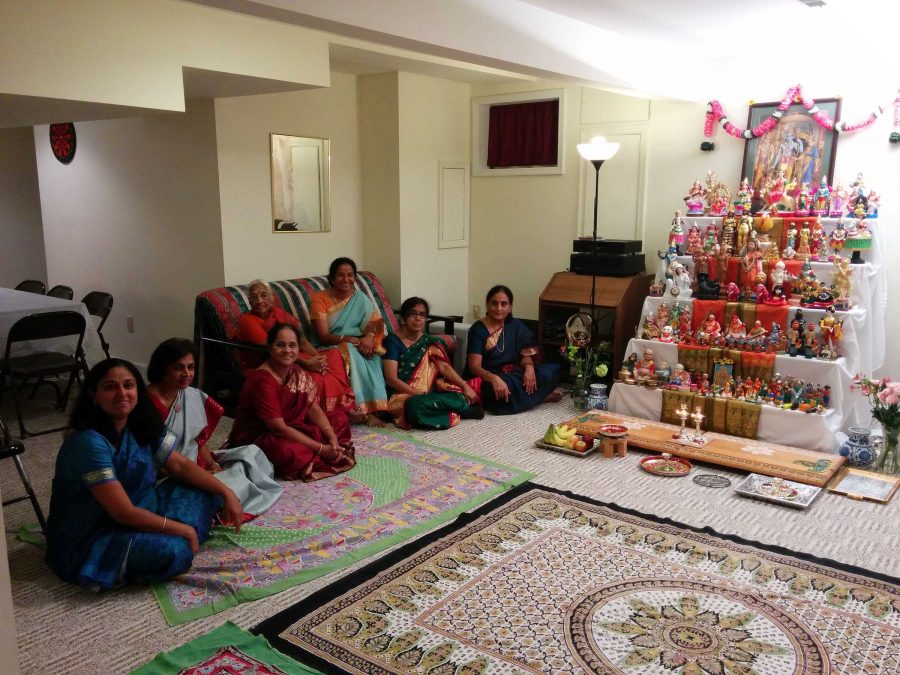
[129, 323]
[476, 311]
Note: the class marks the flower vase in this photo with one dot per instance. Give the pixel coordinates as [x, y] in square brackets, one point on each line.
[580, 393]
[888, 461]
[858, 448]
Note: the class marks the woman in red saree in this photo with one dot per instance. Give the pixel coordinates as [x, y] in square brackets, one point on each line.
[326, 366]
[277, 411]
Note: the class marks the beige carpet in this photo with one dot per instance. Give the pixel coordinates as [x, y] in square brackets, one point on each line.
[63, 629]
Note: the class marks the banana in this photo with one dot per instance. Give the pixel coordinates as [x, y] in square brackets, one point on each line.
[550, 436]
[565, 432]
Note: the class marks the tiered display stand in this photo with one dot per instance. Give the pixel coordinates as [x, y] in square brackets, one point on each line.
[862, 352]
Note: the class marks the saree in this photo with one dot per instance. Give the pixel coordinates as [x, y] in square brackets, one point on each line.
[193, 418]
[351, 317]
[439, 402]
[501, 352]
[334, 387]
[86, 546]
[262, 398]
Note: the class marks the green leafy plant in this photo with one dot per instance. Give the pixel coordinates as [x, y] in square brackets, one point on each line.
[587, 362]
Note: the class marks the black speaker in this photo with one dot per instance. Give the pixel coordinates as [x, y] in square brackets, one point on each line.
[618, 246]
[607, 264]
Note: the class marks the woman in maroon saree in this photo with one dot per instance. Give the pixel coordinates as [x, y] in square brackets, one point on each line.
[277, 411]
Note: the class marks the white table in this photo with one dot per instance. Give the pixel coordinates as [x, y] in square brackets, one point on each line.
[15, 305]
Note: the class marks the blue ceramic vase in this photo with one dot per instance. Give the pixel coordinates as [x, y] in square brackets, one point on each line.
[858, 447]
[597, 399]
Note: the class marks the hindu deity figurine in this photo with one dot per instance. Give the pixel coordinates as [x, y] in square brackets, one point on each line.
[857, 195]
[774, 189]
[744, 196]
[711, 327]
[779, 276]
[817, 241]
[751, 270]
[694, 241]
[684, 328]
[729, 227]
[775, 338]
[757, 335]
[810, 341]
[662, 314]
[841, 280]
[723, 257]
[838, 237]
[650, 331]
[645, 367]
[743, 232]
[676, 233]
[874, 203]
[803, 252]
[832, 330]
[803, 201]
[710, 242]
[670, 258]
[718, 195]
[679, 286]
[839, 197]
[694, 199]
[680, 377]
[821, 198]
[736, 329]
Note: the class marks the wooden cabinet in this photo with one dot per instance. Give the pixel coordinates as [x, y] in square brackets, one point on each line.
[617, 302]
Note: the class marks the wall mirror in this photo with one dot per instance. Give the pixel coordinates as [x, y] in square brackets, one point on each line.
[300, 184]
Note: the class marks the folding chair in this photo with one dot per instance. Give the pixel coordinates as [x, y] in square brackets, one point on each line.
[99, 304]
[32, 286]
[61, 291]
[45, 326]
[11, 450]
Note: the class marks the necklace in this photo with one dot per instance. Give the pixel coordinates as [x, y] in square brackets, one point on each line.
[168, 402]
[500, 345]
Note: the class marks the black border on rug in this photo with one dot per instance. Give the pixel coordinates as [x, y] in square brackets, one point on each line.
[272, 627]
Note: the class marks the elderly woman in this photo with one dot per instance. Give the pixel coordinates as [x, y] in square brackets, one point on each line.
[425, 390]
[277, 411]
[109, 520]
[346, 321]
[326, 367]
[192, 416]
[502, 352]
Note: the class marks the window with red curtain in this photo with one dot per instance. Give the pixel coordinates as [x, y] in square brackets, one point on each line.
[523, 134]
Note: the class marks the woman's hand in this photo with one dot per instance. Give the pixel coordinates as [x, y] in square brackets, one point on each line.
[469, 393]
[233, 512]
[316, 364]
[529, 379]
[501, 391]
[331, 453]
[185, 531]
[366, 346]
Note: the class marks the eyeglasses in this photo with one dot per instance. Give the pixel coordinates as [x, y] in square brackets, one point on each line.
[419, 315]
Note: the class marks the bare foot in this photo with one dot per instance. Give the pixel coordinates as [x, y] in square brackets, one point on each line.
[554, 396]
[357, 417]
[375, 421]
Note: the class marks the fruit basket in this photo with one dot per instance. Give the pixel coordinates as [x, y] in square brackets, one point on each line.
[569, 451]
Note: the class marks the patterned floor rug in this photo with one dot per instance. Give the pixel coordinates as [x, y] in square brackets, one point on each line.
[399, 488]
[543, 581]
[227, 649]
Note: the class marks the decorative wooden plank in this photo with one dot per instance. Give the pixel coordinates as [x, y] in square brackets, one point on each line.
[769, 459]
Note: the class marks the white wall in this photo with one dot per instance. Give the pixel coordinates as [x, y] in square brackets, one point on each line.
[243, 124]
[136, 214]
[434, 127]
[20, 215]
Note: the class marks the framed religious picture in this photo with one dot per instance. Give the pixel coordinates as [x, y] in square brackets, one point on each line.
[795, 152]
[723, 373]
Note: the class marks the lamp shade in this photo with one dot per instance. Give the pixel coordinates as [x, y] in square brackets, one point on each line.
[599, 149]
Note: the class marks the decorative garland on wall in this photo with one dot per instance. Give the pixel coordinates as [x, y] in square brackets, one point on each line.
[714, 113]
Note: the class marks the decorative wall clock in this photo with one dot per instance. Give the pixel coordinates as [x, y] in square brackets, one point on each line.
[62, 141]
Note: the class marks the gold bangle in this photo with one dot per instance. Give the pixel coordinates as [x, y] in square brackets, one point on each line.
[163, 528]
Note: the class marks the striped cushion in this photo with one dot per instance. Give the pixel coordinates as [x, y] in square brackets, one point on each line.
[217, 311]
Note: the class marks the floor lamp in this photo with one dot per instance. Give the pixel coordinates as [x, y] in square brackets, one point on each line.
[596, 152]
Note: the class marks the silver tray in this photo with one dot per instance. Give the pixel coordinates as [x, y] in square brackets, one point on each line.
[568, 451]
[779, 491]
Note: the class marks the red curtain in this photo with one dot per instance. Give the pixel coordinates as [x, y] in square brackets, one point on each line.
[523, 134]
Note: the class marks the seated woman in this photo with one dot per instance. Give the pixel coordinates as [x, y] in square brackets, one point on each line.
[192, 416]
[326, 367]
[345, 319]
[277, 411]
[109, 520]
[502, 353]
[425, 390]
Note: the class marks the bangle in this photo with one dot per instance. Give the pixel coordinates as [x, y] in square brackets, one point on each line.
[319, 451]
[163, 528]
[341, 339]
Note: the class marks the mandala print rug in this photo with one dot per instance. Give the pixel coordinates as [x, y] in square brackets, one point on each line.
[227, 649]
[549, 582]
[399, 488]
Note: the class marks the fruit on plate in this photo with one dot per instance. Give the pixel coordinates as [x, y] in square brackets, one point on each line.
[561, 435]
[581, 445]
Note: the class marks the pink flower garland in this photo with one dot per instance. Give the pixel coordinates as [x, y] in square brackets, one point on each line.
[715, 113]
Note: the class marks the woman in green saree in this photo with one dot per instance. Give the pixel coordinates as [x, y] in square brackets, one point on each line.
[425, 390]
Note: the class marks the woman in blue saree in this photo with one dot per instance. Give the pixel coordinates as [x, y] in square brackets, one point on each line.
[502, 352]
[109, 521]
[344, 318]
[425, 390]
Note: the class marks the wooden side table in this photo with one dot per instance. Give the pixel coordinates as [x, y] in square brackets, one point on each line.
[614, 447]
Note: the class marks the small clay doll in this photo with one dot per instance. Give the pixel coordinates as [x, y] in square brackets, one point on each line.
[822, 198]
[803, 201]
[711, 327]
[662, 314]
[744, 196]
[694, 199]
[832, 330]
[667, 334]
[645, 368]
[694, 241]
[838, 199]
[736, 329]
[757, 334]
[650, 330]
[676, 233]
